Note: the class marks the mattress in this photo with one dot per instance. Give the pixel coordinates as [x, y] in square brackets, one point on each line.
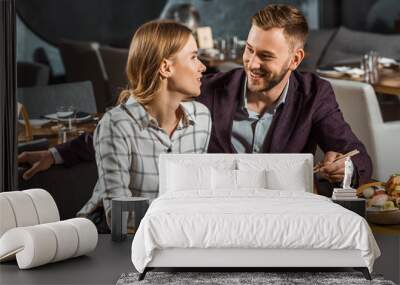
[251, 219]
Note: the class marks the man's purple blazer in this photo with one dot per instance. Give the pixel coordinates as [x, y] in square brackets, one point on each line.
[309, 117]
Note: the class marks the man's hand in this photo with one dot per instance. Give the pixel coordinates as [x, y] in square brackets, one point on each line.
[333, 172]
[38, 160]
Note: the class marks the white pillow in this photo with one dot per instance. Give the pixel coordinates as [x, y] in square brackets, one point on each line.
[281, 174]
[223, 179]
[200, 160]
[291, 179]
[251, 178]
[188, 177]
[227, 179]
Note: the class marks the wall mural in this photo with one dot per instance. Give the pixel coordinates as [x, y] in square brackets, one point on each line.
[42, 23]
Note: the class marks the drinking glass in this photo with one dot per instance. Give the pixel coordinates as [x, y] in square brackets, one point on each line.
[370, 65]
[66, 115]
[233, 47]
[221, 46]
[65, 134]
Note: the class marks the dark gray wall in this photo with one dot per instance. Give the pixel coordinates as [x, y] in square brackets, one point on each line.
[376, 16]
[114, 22]
[28, 42]
[41, 23]
[232, 18]
[104, 21]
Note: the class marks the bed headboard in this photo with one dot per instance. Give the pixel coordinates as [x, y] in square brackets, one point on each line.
[278, 162]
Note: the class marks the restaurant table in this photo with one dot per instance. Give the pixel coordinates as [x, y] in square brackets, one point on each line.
[389, 79]
[51, 131]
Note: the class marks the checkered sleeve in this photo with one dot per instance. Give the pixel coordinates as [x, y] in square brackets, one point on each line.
[113, 160]
[208, 124]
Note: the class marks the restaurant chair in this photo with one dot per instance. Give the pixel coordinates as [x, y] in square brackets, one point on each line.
[360, 108]
[43, 100]
[338, 51]
[25, 137]
[27, 128]
[115, 60]
[315, 47]
[82, 62]
[32, 74]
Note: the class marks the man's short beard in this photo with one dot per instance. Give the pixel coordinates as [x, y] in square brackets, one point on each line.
[272, 82]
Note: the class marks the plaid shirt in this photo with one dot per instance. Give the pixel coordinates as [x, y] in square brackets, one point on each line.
[127, 143]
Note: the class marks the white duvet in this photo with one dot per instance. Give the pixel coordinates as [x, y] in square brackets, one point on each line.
[253, 218]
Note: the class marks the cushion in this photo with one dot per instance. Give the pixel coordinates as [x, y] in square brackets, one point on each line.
[290, 180]
[251, 178]
[223, 179]
[7, 220]
[281, 174]
[40, 244]
[87, 233]
[170, 176]
[192, 173]
[24, 211]
[45, 205]
[26, 208]
[226, 179]
[200, 160]
[183, 177]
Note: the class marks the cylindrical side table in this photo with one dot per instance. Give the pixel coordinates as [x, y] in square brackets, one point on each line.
[120, 208]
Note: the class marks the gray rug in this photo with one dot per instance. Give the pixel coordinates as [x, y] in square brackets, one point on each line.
[242, 278]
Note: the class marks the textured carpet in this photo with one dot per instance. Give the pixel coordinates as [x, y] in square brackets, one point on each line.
[242, 278]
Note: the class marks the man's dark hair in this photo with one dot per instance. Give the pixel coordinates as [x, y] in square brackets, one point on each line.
[286, 17]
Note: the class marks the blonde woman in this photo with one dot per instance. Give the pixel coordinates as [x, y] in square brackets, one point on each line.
[163, 70]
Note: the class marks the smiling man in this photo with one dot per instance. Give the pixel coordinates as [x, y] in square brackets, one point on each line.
[269, 107]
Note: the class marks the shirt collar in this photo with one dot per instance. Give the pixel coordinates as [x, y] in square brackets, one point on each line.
[139, 113]
[188, 114]
[272, 109]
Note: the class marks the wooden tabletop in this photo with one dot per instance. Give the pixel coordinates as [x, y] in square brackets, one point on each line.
[389, 80]
[51, 131]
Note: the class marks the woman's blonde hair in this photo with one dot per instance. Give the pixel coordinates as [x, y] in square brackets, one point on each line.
[152, 42]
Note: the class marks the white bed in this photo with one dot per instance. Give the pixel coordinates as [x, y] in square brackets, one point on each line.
[247, 210]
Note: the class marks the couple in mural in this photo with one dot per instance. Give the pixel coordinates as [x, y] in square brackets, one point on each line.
[169, 107]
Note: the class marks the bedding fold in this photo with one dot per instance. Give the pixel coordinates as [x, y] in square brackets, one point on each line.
[250, 218]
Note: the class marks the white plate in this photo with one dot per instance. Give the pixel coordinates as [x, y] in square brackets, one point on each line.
[36, 123]
[77, 120]
[332, 72]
